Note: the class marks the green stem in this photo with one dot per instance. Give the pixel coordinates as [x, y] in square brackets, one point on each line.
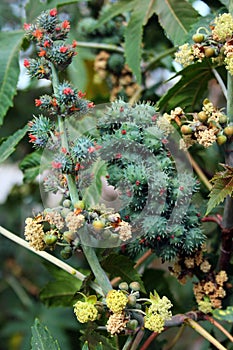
[204, 333]
[227, 221]
[89, 252]
[107, 47]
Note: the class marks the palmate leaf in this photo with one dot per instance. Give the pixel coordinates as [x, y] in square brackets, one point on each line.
[222, 187]
[133, 35]
[176, 17]
[114, 10]
[9, 68]
[7, 147]
[188, 92]
[224, 315]
[97, 341]
[61, 290]
[119, 265]
[30, 166]
[42, 339]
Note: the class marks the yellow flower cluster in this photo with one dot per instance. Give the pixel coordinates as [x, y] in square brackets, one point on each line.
[34, 234]
[157, 313]
[85, 311]
[185, 55]
[116, 300]
[205, 306]
[223, 28]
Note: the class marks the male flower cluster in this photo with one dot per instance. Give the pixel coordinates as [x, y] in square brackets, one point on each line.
[157, 313]
[215, 44]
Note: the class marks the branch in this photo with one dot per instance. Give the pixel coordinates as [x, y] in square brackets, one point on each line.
[107, 47]
[204, 333]
[52, 259]
[219, 326]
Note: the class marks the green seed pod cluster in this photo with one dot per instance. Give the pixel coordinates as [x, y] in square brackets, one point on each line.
[135, 149]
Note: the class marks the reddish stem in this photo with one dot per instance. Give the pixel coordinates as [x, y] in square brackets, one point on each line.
[149, 340]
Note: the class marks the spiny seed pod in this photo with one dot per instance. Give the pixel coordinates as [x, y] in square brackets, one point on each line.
[186, 130]
[123, 286]
[198, 38]
[221, 139]
[50, 239]
[209, 52]
[202, 116]
[228, 130]
[135, 286]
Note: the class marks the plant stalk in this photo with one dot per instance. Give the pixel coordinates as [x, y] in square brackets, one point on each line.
[89, 252]
[204, 333]
[227, 221]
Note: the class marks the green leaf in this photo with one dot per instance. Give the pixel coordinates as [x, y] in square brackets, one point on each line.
[85, 346]
[60, 291]
[30, 166]
[222, 187]
[9, 145]
[34, 8]
[176, 17]
[92, 193]
[224, 315]
[122, 266]
[225, 3]
[114, 10]
[97, 341]
[9, 68]
[42, 339]
[188, 92]
[133, 36]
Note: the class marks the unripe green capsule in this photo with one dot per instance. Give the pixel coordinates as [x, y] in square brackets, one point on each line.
[79, 205]
[221, 139]
[132, 324]
[132, 300]
[66, 203]
[50, 239]
[123, 286]
[223, 119]
[69, 236]
[209, 52]
[228, 131]
[202, 116]
[186, 130]
[198, 38]
[66, 253]
[64, 212]
[135, 286]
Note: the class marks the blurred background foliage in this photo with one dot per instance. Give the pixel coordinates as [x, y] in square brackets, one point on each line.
[23, 274]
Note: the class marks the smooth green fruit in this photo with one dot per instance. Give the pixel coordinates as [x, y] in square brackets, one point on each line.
[98, 225]
[66, 253]
[209, 52]
[132, 300]
[202, 116]
[228, 130]
[50, 239]
[123, 286]
[79, 205]
[69, 236]
[198, 38]
[132, 324]
[186, 130]
[135, 286]
[66, 203]
[221, 139]
[223, 119]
